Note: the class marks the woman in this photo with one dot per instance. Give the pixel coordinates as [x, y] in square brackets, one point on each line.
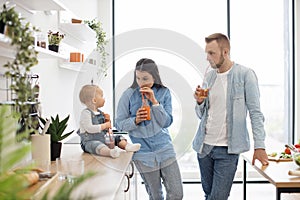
[156, 159]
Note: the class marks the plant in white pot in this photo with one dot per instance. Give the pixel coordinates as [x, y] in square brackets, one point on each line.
[56, 130]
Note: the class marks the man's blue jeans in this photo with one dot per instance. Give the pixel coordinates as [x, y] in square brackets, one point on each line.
[217, 169]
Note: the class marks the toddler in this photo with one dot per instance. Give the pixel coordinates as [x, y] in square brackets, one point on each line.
[94, 125]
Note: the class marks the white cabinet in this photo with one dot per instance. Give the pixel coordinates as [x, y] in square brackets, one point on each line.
[127, 189]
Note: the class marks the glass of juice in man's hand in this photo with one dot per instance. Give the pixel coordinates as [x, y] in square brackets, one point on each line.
[203, 92]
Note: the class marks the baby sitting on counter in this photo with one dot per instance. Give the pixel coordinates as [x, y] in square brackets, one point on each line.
[95, 124]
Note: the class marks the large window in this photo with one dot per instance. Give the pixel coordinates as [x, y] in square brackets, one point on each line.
[260, 40]
[172, 32]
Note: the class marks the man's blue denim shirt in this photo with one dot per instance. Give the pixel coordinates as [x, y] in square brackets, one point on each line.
[243, 97]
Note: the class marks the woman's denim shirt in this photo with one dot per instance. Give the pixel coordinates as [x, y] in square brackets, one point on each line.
[243, 96]
[153, 135]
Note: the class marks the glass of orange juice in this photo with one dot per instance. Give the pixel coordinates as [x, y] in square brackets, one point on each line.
[146, 107]
[204, 91]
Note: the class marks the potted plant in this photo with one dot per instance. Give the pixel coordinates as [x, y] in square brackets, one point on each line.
[54, 40]
[7, 14]
[56, 130]
[2, 27]
[101, 42]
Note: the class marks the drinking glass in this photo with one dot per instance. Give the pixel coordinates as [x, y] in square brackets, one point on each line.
[204, 90]
[61, 168]
[75, 169]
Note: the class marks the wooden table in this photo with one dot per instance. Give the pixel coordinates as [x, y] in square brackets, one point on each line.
[105, 185]
[276, 173]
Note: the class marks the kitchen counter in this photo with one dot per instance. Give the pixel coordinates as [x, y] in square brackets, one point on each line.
[106, 184]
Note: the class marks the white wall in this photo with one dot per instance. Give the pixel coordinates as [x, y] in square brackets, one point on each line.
[57, 85]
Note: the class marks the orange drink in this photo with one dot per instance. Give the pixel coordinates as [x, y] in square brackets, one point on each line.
[203, 93]
[147, 108]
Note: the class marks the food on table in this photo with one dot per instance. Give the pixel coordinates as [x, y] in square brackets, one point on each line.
[294, 172]
[297, 158]
[31, 177]
[287, 150]
[297, 145]
[285, 155]
[273, 154]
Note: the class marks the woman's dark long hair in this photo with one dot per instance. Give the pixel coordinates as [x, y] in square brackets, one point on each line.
[147, 65]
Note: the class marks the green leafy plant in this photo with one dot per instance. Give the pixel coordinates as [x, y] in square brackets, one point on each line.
[21, 34]
[101, 43]
[57, 128]
[55, 38]
[11, 153]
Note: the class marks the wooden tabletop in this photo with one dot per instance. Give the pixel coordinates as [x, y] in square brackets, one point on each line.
[104, 185]
[276, 172]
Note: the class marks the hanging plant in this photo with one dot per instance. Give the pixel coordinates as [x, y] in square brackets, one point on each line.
[18, 70]
[101, 43]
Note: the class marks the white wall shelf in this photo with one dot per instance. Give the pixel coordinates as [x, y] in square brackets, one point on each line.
[80, 32]
[40, 5]
[45, 53]
[76, 66]
[8, 51]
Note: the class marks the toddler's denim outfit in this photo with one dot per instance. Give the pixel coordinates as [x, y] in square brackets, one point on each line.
[91, 141]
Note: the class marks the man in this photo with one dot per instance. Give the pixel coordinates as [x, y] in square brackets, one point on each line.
[222, 134]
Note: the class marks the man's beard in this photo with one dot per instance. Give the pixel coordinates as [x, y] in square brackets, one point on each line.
[219, 64]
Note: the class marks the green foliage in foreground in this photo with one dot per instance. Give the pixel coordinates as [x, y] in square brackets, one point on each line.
[12, 153]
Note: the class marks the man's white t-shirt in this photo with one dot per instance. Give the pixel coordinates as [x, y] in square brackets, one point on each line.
[216, 127]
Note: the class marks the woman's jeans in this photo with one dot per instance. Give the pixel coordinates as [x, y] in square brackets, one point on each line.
[217, 169]
[168, 172]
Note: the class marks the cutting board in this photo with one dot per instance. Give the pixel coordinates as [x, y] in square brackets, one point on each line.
[278, 159]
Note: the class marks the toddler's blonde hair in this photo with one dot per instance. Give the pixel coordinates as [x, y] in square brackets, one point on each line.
[87, 93]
